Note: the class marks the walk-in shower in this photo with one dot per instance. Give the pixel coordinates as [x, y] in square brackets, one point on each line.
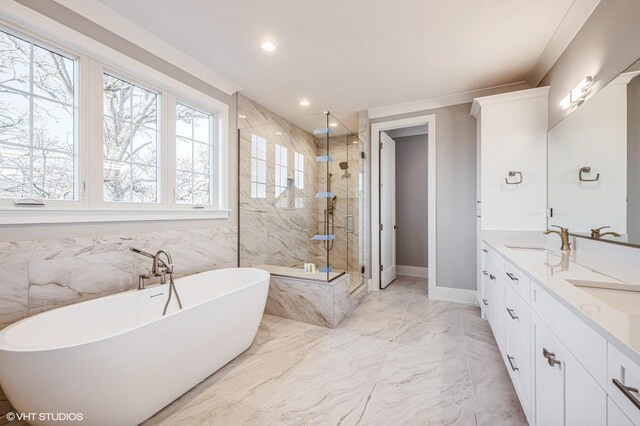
[299, 194]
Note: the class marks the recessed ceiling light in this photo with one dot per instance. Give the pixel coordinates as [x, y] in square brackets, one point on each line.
[268, 46]
[304, 102]
[333, 124]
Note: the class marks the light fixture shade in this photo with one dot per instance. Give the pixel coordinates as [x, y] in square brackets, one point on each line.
[565, 103]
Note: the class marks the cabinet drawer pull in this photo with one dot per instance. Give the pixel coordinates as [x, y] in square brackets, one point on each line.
[513, 366]
[485, 302]
[628, 391]
[485, 250]
[493, 277]
[511, 314]
[551, 357]
[513, 277]
[485, 272]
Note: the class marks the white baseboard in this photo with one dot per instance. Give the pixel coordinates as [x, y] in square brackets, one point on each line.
[456, 295]
[412, 271]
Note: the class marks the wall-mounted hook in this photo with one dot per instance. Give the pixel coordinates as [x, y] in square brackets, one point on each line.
[512, 174]
[587, 170]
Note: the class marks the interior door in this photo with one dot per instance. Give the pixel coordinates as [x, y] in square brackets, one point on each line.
[387, 210]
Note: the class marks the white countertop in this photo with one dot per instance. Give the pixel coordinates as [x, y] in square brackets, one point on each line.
[615, 314]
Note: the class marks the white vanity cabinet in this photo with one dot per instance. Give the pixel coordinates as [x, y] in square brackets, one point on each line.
[565, 393]
[511, 162]
[562, 369]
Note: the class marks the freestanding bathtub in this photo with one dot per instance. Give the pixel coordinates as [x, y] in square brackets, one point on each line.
[116, 360]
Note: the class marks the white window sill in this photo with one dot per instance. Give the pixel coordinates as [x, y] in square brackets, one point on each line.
[41, 215]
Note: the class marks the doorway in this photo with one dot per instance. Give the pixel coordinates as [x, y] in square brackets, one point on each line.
[417, 241]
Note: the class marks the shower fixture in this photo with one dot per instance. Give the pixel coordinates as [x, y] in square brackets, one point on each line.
[344, 165]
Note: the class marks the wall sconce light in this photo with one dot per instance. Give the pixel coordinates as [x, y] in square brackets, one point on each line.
[577, 94]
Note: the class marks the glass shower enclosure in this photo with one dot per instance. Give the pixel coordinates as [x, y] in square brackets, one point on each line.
[299, 196]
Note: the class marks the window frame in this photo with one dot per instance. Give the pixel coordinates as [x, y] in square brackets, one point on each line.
[89, 68]
[79, 168]
[257, 161]
[213, 144]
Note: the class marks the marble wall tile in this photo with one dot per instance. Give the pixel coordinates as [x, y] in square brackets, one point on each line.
[38, 275]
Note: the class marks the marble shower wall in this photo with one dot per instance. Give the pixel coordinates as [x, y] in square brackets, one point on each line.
[270, 234]
[38, 275]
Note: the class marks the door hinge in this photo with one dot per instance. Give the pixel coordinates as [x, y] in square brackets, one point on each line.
[381, 146]
[381, 227]
[362, 154]
[362, 269]
[381, 268]
[550, 212]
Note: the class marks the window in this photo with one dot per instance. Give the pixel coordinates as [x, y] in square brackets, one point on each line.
[281, 174]
[131, 148]
[194, 156]
[258, 167]
[299, 179]
[103, 142]
[38, 149]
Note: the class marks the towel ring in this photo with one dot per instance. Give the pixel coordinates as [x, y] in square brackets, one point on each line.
[512, 174]
[587, 170]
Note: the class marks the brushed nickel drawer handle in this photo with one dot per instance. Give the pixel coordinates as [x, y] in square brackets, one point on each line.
[551, 357]
[485, 250]
[485, 272]
[511, 314]
[513, 277]
[493, 277]
[627, 391]
[485, 302]
[513, 366]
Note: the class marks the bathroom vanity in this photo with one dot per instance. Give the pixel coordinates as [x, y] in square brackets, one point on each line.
[571, 345]
[567, 322]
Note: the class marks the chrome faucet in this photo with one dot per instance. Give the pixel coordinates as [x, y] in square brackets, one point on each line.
[161, 269]
[564, 236]
[596, 234]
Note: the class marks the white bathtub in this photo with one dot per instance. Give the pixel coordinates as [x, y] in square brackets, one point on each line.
[117, 361]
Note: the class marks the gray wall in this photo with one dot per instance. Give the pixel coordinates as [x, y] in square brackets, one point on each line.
[456, 194]
[604, 47]
[411, 200]
[633, 159]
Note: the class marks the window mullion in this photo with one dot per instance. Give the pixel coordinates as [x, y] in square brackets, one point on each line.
[31, 150]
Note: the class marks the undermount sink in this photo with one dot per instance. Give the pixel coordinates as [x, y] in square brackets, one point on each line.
[535, 248]
[605, 285]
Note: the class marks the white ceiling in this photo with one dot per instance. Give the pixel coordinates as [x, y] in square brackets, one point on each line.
[346, 56]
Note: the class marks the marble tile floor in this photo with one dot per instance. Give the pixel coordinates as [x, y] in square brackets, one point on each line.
[400, 359]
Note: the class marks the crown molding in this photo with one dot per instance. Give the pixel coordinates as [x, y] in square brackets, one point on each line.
[478, 103]
[123, 27]
[443, 101]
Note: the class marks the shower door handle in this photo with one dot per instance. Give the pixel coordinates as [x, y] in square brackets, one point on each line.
[349, 224]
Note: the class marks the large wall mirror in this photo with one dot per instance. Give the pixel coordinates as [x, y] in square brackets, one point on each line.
[594, 164]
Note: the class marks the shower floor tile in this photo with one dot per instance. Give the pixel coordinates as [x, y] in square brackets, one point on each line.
[400, 359]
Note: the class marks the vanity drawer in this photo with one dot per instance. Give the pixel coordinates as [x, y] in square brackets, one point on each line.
[517, 280]
[589, 348]
[622, 374]
[517, 316]
[490, 255]
[519, 368]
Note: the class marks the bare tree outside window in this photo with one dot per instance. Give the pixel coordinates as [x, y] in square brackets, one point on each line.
[37, 120]
[130, 142]
[194, 156]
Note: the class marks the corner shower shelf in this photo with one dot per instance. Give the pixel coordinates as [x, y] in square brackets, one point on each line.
[322, 131]
[325, 270]
[324, 158]
[324, 194]
[320, 237]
